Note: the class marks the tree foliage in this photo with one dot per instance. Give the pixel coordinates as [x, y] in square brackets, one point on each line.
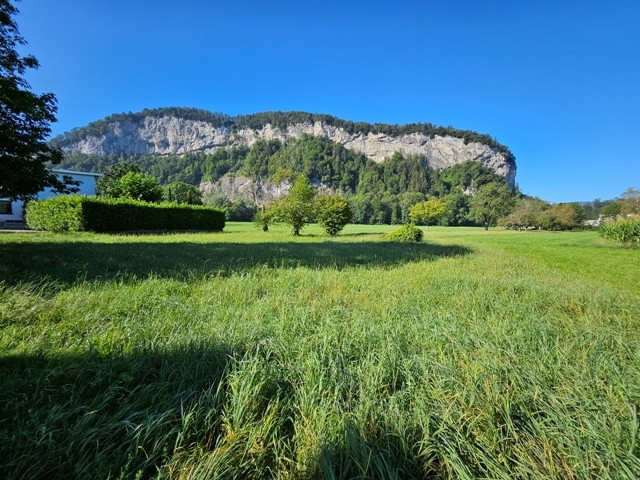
[183, 193]
[630, 201]
[236, 211]
[491, 201]
[109, 181]
[611, 209]
[428, 212]
[536, 213]
[25, 119]
[333, 212]
[295, 208]
[137, 186]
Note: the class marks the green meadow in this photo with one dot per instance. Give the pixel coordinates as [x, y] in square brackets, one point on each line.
[254, 355]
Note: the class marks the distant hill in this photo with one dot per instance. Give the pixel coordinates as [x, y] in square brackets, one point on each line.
[248, 157]
[176, 131]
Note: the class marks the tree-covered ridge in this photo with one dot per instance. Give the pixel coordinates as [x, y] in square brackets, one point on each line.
[280, 120]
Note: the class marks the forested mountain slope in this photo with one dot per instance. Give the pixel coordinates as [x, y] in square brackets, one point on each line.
[180, 131]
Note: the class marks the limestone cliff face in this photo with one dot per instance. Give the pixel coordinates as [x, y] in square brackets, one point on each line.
[172, 135]
[256, 191]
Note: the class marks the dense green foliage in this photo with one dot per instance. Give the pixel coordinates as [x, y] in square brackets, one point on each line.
[127, 180]
[501, 355]
[628, 203]
[332, 212]
[76, 213]
[611, 209]
[25, 119]
[137, 186]
[535, 213]
[428, 212]
[238, 211]
[56, 214]
[408, 233]
[622, 230]
[296, 208]
[184, 193]
[110, 177]
[490, 202]
[280, 120]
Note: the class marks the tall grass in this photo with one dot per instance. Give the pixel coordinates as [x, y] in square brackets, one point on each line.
[251, 355]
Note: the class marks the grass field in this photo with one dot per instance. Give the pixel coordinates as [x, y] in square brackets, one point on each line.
[250, 355]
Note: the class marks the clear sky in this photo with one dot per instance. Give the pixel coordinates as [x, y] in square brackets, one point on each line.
[557, 81]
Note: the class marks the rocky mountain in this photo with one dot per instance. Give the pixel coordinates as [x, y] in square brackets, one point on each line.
[176, 131]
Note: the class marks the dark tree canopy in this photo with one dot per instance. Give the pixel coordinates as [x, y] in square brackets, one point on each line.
[24, 119]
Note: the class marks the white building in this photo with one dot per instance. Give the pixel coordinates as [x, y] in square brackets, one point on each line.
[11, 212]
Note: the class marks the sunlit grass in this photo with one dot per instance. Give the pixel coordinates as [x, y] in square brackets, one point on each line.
[250, 355]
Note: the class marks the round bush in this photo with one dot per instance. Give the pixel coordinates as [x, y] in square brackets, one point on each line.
[407, 233]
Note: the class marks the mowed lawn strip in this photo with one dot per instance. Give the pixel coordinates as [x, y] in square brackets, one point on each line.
[255, 355]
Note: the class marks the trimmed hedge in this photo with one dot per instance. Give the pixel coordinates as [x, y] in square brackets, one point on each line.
[77, 213]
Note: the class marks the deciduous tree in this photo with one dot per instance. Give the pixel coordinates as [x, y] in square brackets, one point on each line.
[25, 119]
[295, 208]
[181, 192]
[108, 182]
[429, 212]
[491, 201]
[138, 186]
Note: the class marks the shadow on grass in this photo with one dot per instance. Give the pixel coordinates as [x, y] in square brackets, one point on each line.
[96, 416]
[134, 415]
[66, 262]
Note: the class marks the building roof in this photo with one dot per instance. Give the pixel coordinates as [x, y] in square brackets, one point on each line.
[74, 172]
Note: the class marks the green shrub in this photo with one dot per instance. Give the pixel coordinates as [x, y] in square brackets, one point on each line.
[624, 230]
[333, 213]
[61, 214]
[57, 214]
[406, 233]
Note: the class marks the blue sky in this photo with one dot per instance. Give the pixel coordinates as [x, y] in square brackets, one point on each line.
[558, 81]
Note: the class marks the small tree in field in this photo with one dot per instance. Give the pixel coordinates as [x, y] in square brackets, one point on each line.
[295, 208]
[491, 201]
[333, 213]
[429, 212]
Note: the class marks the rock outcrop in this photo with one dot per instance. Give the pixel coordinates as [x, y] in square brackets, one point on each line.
[163, 135]
[252, 190]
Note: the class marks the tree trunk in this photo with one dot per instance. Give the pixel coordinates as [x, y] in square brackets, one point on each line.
[486, 225]
[296, 231]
